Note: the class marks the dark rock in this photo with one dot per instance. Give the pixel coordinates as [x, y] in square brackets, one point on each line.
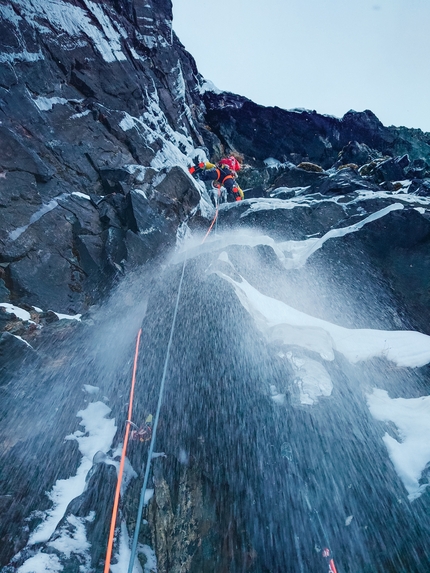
[4, 292]
[17, 154]
[112, 179]
[13, 353]
[388, 170]
[138, 252]
[115, 251]
[180, 187]
[255, 192]
[420, 187]
[344, 181]
[355, 152]
[85, 217]
[295, 177]
[418, 169]
[403, 161]
[312, 167]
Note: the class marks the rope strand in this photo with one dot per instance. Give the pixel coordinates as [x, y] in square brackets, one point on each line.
[154, 431]
[122, 462]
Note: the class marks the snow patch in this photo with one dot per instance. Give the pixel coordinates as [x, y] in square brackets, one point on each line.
[98, 436]
[47, 103]
[68, 316]
[272, 162]
[72, 20]
[122, 557]
[91, 389]
[23, 56]
[41, 563]
[13, 235]
[208, 86]
[278, 321]
[73, 539]
[82, 195]
[312, 379]
[412, 418]
[17, 311]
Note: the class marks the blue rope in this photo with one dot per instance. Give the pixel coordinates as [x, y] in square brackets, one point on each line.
[154, 432]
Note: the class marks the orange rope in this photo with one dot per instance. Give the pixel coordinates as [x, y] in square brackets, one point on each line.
[212, 224]
[121, 465]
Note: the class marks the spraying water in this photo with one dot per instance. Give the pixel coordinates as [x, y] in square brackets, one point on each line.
[291, 431]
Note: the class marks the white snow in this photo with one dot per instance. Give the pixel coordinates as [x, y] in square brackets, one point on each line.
[208, 86]
[82, 195]
[23, 56]
[179, 82]
[46, 103]
[128, 122]
[272, 162]
[81, 114]
[75, 22]
[68, 316]
[151, 560]
[149, 493]
[312, 378]
[277, 396]
[22, 340]
[13, 235]
[122, 557]
[293, 327]
[101, 431]
[300, 251]
[412, 418]
[41, 563]
[73, 539]
[91, 389]
[17, 311]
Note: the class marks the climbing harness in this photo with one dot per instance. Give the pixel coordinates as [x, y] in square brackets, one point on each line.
[122, 462]
[154, 431]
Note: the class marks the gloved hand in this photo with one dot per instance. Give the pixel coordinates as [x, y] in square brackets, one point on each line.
[196, 168]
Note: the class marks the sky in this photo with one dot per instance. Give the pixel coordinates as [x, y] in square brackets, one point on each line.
[330, 56]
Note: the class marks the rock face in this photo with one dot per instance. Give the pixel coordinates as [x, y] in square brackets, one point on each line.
[94, 100]
[101, 112]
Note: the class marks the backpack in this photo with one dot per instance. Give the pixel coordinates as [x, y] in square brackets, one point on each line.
[230, 162]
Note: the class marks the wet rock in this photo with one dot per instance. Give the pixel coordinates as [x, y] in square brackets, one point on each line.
[13, 353]
[344, 181]
[4, 292]
[310, 167]
[17, 154]
[417, 169]
[357, 153]
[348, 166]
[178, 186]
[391, 169]
[420, 187]
[295, 177]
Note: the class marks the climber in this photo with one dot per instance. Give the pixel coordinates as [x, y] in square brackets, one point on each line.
[223, 174]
